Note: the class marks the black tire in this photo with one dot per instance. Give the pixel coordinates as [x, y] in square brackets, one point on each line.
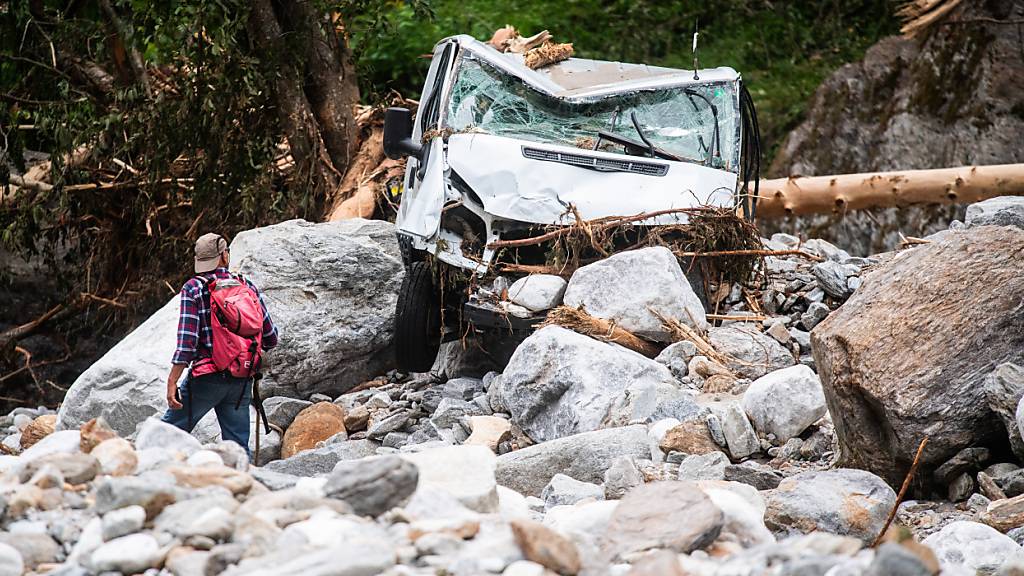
[417, 320]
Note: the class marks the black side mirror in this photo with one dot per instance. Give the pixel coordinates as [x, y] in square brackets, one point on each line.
[398, 140]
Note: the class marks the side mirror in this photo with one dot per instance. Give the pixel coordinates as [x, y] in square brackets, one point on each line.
[398, 140]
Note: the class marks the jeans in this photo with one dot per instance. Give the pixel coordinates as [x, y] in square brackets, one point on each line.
[221, 393]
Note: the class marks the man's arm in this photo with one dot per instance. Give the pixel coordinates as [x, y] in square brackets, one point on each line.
[270, 333]
[188, 340]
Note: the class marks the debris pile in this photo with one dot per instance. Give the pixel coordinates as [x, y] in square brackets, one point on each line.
[538, 50]
[724, 442]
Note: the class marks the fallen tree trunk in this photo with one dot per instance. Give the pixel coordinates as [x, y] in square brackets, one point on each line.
[799, 195]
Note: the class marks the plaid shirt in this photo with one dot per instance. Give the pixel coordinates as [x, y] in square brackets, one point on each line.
[195, 337]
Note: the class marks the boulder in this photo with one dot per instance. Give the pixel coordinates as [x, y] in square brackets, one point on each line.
[564, 490]
[281, 410]
[673, 515]
[584, 457]
[1004, 388]
[709, 466]
[742, 510]
[330, 287]
[314, 424]
[751, 354]
[785, 402]
[999, 211]
[560, 383]
[154, 433]
[978, 548]
[739, 433]
[627, 286]
[537, 292]
[690, 437]
[465, 472]
[843, 501]
[322, 460]
[373, 486]
[621, 477]
[945, 306]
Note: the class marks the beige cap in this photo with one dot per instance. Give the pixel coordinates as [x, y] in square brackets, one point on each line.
[209, 247]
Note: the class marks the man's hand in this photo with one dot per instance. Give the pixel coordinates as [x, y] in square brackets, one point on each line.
[172, 386]
[172, 396]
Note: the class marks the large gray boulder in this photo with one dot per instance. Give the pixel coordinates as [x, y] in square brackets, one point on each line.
[560, 383]
[331, 288]
[627, 286]
[1004, 388]
[584, 457]
[907, 355]
[785, 402]
[999, 211]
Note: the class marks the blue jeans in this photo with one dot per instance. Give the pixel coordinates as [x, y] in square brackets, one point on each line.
[220, 393]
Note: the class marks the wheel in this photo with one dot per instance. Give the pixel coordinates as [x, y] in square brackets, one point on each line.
[417, 320]
[695, 276]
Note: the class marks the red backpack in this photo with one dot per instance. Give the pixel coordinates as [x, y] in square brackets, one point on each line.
[236, 321]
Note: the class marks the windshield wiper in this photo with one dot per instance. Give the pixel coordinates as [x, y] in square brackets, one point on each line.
[636, 124]
[716, 143]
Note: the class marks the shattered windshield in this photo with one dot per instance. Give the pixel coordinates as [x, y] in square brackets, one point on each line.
[678, 122]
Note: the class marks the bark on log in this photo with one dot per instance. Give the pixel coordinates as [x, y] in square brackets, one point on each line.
[843, 192]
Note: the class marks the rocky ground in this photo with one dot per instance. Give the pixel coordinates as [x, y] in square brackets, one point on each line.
[771, 442]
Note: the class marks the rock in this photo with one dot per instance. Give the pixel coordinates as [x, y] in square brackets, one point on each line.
[739, 433]
[525, 568]
[751, 353]
[785, 402]
[560, 383]
[967, 460]
[657, 563]
[62, 442]
[710, 466]
[451, 411]
[999, 211]
[116, 457]
[621, 477]
[154, 433]
[563, 490]
[180, 519]
[585, 457]
[379, 428]
[832, 278]
[35, 549]
[816, 312]
[546, 547]
[1004, 388]
[489, 431]
[677, 357]
[742, 510]
[114, 493]
[627, 286]
[11, 563]
[779, 332]
[673, 515]
[882, 403]
[274, 480]
[373, 486]
[281, 410]
[465, 472]
[891, 559]
[760, 477]
[233, 480]
[691, 437]
[93, 432]
[129, 554]
[322, 460]
[75, 468]
[123, 521]
[538, 291]
[336, 320]
[972, 546]
[356, 419]
[38, 429]
[313, 424]
[843, 501]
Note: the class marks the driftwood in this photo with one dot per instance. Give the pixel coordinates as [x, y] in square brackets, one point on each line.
[577, 320]
[903, 491]
[840, 193]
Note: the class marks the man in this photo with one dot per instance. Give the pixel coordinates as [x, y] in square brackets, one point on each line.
[228, 396]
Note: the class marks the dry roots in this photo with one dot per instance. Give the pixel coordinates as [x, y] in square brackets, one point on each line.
[577, 320]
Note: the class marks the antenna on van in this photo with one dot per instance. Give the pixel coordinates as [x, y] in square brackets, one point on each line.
[696, 32]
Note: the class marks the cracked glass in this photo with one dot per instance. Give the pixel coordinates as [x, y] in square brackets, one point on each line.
[678, 121]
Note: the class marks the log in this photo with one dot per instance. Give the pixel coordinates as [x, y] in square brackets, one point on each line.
[798, 195]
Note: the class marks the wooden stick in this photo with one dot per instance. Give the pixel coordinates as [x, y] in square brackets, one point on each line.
[837, 194]
[599, 224]
[749, 253]
[736, 318]
[577, 320]
[903, 492]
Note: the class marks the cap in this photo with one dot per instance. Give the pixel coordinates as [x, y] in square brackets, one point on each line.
[209, 247]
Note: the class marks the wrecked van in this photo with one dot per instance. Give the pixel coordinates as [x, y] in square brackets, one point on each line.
[498, 151]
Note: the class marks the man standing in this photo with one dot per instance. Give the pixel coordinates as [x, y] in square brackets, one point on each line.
[208, 386]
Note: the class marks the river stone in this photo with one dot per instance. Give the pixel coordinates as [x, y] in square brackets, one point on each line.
[629, 286]
[331, 289]
[465, 472]
[999, 211]
[373, 486]
[129, 554]
[674, 515]
[314, 424]
[584, 457]
[710, 466]
[973, 546]
[123, 521]
[752, 354]
[564, 490]
[740, 437]
[742, 508]
[154, 433]
[1004, 388]
[76, 468]
[281, 410]
[116, 457]
[537, 292]
[785, 402]
[322, 460]
[947, 302]
[35, 549]
[843, 501]
[11, 563]
[560, 383]
[114, 493]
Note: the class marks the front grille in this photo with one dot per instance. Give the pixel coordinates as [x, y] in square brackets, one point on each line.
[596, 163]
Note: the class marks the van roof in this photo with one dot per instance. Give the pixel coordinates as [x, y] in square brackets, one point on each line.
[582, 77]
